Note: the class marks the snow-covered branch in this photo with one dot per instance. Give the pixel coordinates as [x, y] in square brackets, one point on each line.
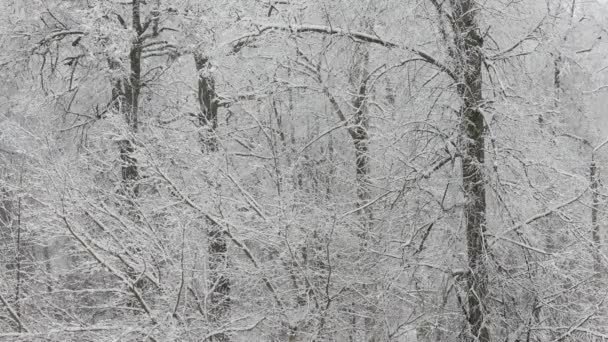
[242, 41]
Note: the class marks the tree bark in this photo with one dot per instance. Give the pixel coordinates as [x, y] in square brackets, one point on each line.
[468, 60]
[219, 284]
[125, 101]
[207, 100]
[359, 132]
[125, 98]
[360, 136]
[217, 245]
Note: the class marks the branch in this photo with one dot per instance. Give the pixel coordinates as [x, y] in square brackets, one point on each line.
[364, 37]
[600, 145]
[340, 125]
[318, 29]
[249, 328]
[534, 249]
[537, 217]
[100, 260]
[529, 36]
[596, 89]
[252, 202]
[59, 35]
[366, 204]
[14, 315]
[575, 327]
[575, 137]
[224, 230]
[120, 244]
[65, 330]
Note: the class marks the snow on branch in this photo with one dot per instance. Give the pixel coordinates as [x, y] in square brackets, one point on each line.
[535, 218]
[529, 36]
[13, 313]
[130, 285]
[242, 41]
[596, 90]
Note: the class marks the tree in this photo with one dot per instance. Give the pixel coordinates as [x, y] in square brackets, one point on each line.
[468, 44]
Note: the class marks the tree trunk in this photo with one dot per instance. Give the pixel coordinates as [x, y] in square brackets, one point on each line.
[220, 284]
[594, 180]
[359, 134]
[19, 258]
[125, 99]
[217, 245]
[468, 58]
[207, 100]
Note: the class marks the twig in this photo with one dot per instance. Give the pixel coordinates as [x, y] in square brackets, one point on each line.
[536, 217]
[223, 331]
[13, 314]
[366, 204]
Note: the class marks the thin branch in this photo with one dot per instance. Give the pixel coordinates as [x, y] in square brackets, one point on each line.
[537, 217]
[366, 204]
[60, 34]
[183, 274]
[340, 125]
[529, 36]
[101, 261]
[13, 314]
[64, 330]
[223, 331]
[224, 230]
[598, 89]
[600, 145]
[360, 36]
[252, 202]
[537, 250]
[574, 327]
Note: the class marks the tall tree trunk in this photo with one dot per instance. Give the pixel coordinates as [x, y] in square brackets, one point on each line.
[358, 131]
[19, 256]
[359, 134]
[217, 245]
[125, 99]
[594, 179]
[468, 58]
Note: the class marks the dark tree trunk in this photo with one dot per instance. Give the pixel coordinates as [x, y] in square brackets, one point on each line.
[207, 100]
[219, 298]
[359, 132]
[125, 99]
[468, 60]
[220, 284]
[121, 103]
[361, 141]
[360, 136]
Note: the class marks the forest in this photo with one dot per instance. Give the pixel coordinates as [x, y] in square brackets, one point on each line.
[304, 170]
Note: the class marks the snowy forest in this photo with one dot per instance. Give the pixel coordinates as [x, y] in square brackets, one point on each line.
[304, 170]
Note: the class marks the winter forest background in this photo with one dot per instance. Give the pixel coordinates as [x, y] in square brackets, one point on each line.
[303, 170]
